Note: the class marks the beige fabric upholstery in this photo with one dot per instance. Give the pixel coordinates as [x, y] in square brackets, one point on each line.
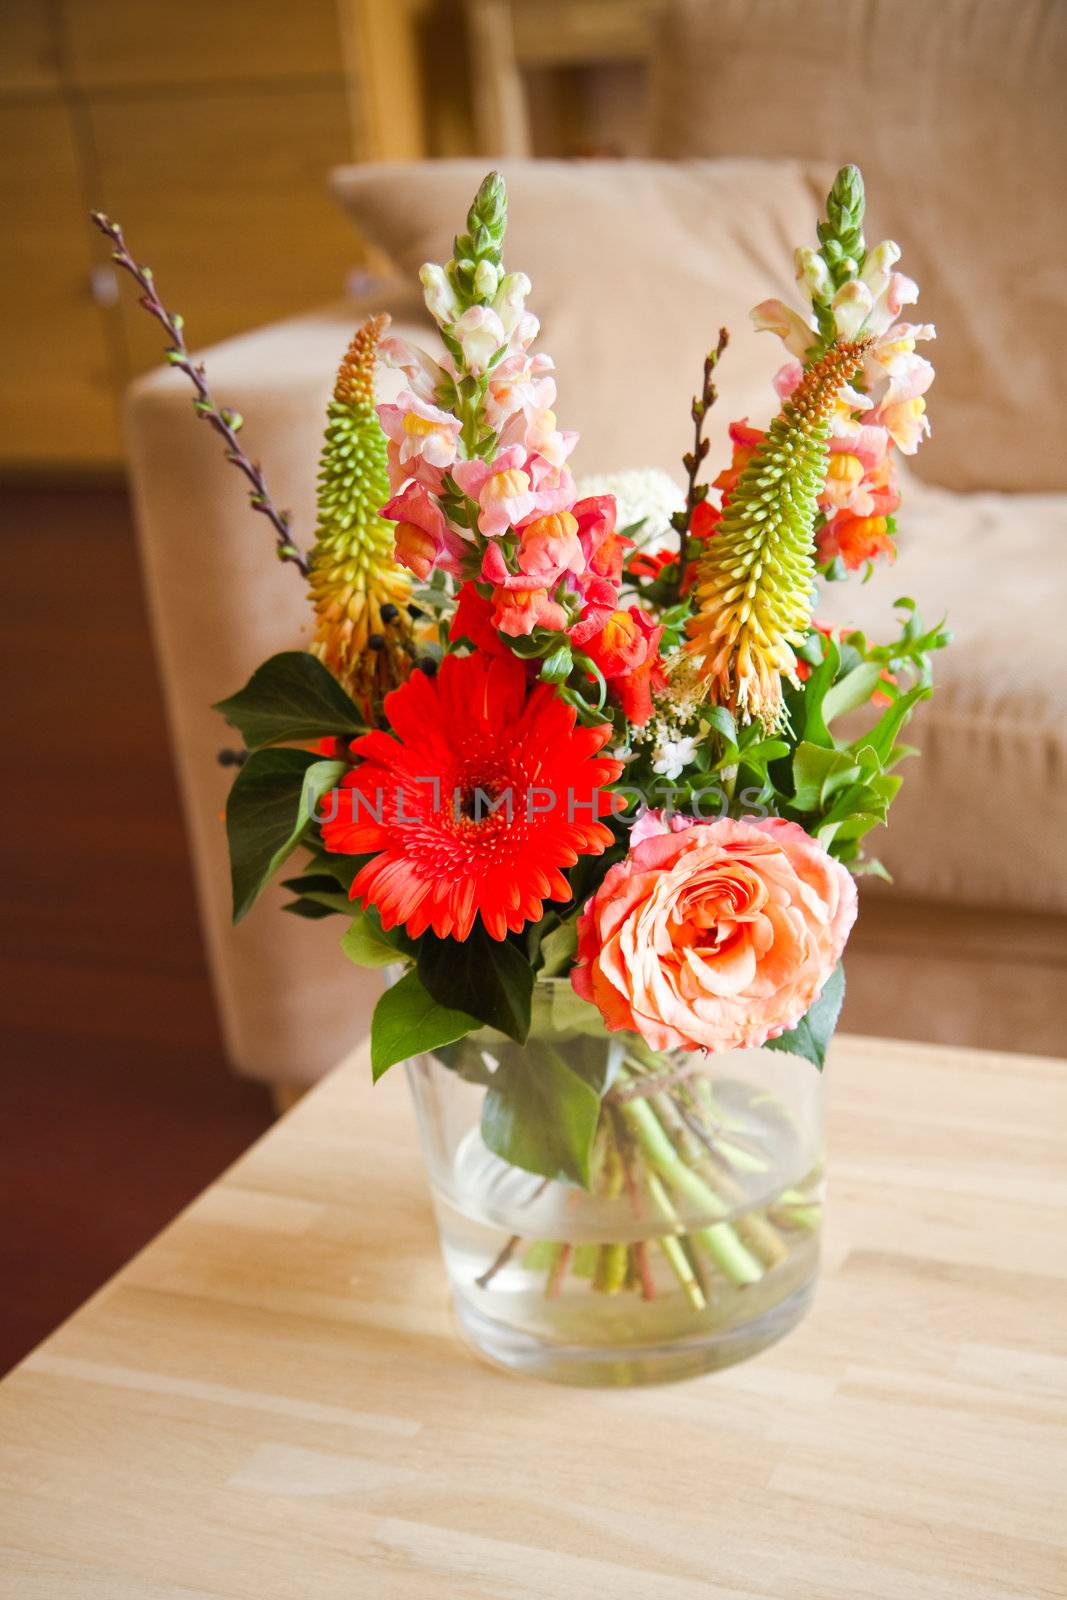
[956, 111]
[982, 817]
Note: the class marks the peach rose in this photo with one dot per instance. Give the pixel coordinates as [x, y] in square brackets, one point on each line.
[717, 936]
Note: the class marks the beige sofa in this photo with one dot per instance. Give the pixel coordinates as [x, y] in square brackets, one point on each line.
[634, 268]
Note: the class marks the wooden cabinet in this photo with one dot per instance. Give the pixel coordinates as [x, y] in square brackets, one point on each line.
[57, 389]
[207, 128]
[560, 77]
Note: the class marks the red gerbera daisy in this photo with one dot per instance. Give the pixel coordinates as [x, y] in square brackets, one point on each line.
[481, 793]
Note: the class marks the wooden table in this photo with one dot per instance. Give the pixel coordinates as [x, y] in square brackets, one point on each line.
[270, 1402]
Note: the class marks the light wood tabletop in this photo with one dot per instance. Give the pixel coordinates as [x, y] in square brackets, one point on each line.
[271, 1401]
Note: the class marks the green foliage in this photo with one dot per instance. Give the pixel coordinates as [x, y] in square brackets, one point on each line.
[291, 697]
[840, 789]
[267, 814]
[491, 979]
[558, 948]
[812, 1034]
[487, 222]
[320, 890]
[837, 788]
[366, 943]
[843, 247]
[407, 1021]
[541, 1115]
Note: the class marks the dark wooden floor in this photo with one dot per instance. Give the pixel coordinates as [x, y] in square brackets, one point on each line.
[117, 1104]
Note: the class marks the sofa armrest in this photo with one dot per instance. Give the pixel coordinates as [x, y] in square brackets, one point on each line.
[219, 603]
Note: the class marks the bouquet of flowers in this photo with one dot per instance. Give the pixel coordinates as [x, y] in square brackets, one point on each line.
[577, 773]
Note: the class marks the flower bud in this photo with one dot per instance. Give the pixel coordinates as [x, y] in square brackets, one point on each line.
[878, 267]
[438, 294]
[813, 274]
[480, 334]
[511, 299]
[486, 278]
[852, 306]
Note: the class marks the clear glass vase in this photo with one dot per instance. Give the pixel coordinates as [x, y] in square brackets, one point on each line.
[696, 1244]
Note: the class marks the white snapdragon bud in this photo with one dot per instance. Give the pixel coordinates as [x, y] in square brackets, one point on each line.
[438, 293]
[852, 305]
[481, 334]
[813, 275]
[879, 266]
[486, 279]
[510, 299]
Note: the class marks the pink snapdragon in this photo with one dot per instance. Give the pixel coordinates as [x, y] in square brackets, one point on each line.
[426, 377]
[895, 378]
[517, 612]
[547, 548]
[502, 488]
[857, 453]
[424, 537]
[519, 384]
[554, 488]
[520, 326]
[420, 431]
[479, 333]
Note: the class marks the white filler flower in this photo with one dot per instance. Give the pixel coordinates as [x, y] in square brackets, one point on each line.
[643, 494]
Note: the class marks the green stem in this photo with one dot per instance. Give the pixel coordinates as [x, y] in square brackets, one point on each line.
[672, 1247]
[719, 1238]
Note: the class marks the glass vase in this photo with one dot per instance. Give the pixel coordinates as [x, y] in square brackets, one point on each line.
[696, 1243]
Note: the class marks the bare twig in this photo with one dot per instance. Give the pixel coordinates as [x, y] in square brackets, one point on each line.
[225, 422]
[693, 459]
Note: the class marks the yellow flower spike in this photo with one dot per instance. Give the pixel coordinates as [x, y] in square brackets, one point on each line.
[755, 579]
[353, 575]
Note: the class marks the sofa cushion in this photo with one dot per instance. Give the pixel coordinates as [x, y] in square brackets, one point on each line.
[957, 114]
[634, 265]
[982, 817]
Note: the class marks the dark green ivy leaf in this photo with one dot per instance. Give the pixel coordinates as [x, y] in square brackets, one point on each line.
[268, 811]
[408, 1021]
[292, 696]
[366, 942]
[540, 1115]
[490, 979]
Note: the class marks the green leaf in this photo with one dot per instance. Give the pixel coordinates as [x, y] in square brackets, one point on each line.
[367, 944]
[341, 868]
[321, 888]
[408, 1021]
[292, 696]
[311, 909]
[812, 1034]
[719, 718]
[853, 690]
[557, 667]
[541, 1116]
[880, 738]
[762, 752]
[558, 948]
[815, 770]
[812, 722]
[268, 810]
[490, 979]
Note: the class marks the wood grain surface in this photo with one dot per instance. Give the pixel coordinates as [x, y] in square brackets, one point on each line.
[271, 1402]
